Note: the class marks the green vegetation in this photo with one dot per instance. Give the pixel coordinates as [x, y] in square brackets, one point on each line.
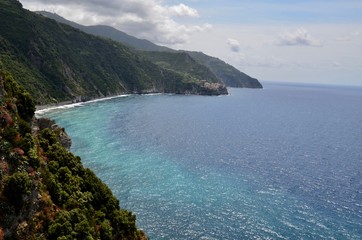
[182, 63]
[109, 32]
[16, 187]
[55, 62]
[230, 75]
[167, 57]
[45, 191]
[24, 102]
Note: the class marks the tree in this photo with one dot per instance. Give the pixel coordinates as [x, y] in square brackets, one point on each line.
[17, 186]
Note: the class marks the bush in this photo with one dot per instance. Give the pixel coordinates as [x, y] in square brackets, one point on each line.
[27, 142]
[24, 127]
[17, 186]
[24, 102]
[47, 138]
[70, 225]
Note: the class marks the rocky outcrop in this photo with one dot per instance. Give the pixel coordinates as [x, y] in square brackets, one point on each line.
[43, 123]
[45, 191]
[207, 88]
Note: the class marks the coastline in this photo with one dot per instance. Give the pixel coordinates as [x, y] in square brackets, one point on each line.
[209, 89]
[52, 105]
[41, 109]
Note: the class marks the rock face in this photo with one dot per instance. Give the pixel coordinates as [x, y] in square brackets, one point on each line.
[207, 88]
[43, 123]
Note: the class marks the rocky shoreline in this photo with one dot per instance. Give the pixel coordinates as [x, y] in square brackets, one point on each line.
[205, 89]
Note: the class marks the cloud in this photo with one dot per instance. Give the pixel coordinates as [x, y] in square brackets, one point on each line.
[299, 38]
[234, 45]
[151, 19]
[183, 10]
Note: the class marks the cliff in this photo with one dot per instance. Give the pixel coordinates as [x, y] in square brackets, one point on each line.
[230, 76]
[45, 191]
[56, 62]
[223, 72]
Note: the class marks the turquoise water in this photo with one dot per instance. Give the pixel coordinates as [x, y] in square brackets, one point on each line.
[284, 162]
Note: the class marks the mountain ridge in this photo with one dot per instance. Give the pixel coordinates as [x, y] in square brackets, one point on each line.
[228, 74]
[109, 32]
[56, 62]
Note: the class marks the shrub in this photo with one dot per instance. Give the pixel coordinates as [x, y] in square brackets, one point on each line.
[70, 225]
[17, 186]
[47, 138]
[24, 102]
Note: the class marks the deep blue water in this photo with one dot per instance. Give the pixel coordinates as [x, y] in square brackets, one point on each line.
[284, 162]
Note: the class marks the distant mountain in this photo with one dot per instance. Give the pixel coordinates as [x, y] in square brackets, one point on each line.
[181, 62]
[226, 73]
[230, 75]
[56, 62]
[109, 32]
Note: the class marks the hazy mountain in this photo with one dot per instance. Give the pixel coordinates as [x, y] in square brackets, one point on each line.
[56, 62]
[226, 73]
[231, 76]
[181, 62]
[109, 32]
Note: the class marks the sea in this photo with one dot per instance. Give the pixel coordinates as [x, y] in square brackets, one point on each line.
[283, 162]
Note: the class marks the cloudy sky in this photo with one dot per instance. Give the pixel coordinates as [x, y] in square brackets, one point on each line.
[318, 41]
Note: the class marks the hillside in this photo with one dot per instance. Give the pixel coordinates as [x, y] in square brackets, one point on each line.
[230, 75]
[181, 62]
[167, 58]
[56, 62]
[109, 32]
[226, 73]
[45, 191]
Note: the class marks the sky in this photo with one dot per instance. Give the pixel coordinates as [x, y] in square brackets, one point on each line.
[310, 41]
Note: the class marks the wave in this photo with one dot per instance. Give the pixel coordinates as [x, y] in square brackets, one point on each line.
[41, 112]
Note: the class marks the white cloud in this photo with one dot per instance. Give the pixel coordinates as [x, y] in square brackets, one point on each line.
[234, 45]
[183, 10]
[299, 38]
[151, 19]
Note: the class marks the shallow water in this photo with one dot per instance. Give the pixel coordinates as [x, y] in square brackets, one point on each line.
[284, 162]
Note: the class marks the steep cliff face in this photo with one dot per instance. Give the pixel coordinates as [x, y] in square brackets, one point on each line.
[224, 72]
[56, 62]
[231, 76]
[45, 192]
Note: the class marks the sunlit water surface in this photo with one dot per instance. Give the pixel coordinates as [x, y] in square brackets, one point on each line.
[284, 162]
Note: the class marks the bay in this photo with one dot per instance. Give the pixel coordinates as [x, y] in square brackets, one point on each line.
[284, 162]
